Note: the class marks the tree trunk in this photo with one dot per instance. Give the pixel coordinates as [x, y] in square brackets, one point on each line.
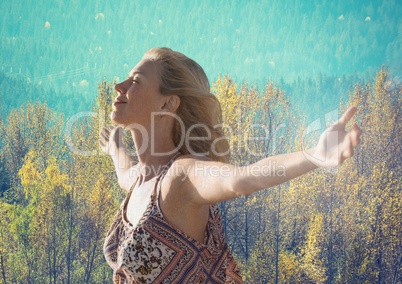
[3, 269]
[277, 236]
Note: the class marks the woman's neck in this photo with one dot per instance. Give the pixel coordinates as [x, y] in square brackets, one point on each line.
[154, 151]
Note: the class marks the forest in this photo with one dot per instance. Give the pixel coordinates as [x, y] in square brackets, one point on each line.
[70, 46]
[59, 191]
[293, 66]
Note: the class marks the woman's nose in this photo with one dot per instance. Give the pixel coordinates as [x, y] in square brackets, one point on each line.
[120, 88]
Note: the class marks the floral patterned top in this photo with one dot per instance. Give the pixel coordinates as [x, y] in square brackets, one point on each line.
[155, 251]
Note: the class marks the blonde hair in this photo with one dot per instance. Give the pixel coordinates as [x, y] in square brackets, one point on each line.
[185, 78]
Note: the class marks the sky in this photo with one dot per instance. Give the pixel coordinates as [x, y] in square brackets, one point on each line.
[72, 45]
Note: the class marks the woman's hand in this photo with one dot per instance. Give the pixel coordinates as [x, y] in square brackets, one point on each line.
[336, 144]
[110, 140]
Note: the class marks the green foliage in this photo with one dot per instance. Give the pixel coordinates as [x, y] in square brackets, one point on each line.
[338, 226]
[331, 226]
[60, 211]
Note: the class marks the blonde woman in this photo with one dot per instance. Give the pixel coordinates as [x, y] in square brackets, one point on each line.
[168, 228]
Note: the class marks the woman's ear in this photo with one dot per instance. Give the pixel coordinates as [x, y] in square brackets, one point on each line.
[171, 104]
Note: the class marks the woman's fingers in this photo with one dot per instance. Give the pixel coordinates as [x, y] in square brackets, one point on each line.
[355, 135]
[110, 138]
[347, 115]
[352, 139]
[103, 135]
[106, 132]
[349, 152]
[103, 145]
[116, 135]
[104, 138]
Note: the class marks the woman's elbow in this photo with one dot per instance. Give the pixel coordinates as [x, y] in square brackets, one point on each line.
[242, 187]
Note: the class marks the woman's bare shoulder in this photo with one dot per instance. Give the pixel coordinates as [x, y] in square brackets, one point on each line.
[186, 165]
[182, 167]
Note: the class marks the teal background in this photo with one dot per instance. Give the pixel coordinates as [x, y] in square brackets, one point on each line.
[59, 51]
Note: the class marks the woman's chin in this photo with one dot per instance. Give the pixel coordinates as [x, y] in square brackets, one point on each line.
[115, 118]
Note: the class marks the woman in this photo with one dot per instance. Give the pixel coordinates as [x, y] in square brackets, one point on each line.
[168, 229]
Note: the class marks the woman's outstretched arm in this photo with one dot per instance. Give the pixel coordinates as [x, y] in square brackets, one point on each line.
[208, 182]
[110, 141]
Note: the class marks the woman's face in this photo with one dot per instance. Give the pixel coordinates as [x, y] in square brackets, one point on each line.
[138, 96]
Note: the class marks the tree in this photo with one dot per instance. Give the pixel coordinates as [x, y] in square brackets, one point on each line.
[312, 262]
